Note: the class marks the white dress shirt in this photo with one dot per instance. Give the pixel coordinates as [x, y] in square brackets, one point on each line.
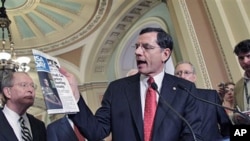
[144, 86]
[13, 119]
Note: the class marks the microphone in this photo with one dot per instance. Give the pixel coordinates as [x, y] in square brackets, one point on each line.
[155, 87]
[209, 102]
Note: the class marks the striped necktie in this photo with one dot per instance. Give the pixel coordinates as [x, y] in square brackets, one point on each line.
[26, 136]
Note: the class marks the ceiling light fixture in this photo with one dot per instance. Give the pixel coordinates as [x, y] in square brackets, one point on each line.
[8, 58]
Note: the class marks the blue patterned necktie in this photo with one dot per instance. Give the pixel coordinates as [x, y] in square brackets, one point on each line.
[26, 136]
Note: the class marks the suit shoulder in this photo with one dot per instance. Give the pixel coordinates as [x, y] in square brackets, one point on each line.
[209, 91]
[34, 119]
[129, 79]
[174, 79]
[240, 81]
[239, 84]
[58, 121]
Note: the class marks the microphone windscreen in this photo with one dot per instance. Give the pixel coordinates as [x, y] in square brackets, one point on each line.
[154, 86]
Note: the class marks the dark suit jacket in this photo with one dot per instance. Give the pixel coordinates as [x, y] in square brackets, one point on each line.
[60, 130]
[213, 116]
[7, 133]
[121, 112]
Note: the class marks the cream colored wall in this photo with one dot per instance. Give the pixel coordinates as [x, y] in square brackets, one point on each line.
[231, 21]
[190, 48]
[207, 31]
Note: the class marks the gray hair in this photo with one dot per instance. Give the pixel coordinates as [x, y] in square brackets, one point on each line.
[8, 78]
[186, 62]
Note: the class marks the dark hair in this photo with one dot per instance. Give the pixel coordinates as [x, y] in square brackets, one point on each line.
[229, 83]
[164, 40]
[242, 47]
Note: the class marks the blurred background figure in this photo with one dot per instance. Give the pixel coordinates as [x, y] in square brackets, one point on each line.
[212, 115]
[242, 86]
[63, 129]
[221, 90]
[228, 100]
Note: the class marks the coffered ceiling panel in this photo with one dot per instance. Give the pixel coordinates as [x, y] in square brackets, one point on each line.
[52, 24]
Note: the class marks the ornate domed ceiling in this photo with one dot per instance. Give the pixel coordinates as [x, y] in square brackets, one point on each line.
[83, 34]
[52, 24]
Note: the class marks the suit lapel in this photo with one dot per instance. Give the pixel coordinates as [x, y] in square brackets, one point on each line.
[133, 95]
[34, 129]
[6, 131]
[67, 129]
[168, 92]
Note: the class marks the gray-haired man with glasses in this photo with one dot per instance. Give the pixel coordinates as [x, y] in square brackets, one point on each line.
[18, 89]
[216, 123]
[185, 70]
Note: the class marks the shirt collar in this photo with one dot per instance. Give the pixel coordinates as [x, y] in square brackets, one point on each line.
[10, 113]
[157, 78]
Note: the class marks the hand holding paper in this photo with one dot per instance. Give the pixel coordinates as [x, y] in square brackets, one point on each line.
[72, 82]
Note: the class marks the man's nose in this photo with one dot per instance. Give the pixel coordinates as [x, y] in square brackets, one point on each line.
[246, 60]
[139, 50]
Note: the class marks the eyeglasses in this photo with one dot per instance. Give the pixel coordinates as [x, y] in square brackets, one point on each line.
[145, 47]
[25, 85]
[179, 73]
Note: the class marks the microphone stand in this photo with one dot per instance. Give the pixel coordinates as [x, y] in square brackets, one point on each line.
[206, 101]
[155, 87]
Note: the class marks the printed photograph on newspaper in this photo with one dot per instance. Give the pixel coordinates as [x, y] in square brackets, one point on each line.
[56, 91]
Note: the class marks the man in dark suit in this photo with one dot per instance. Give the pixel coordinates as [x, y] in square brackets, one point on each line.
[212, 115]
[62, 130]
[122, 110]
[19, 91]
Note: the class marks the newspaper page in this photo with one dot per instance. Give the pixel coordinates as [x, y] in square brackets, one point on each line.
[56, 90]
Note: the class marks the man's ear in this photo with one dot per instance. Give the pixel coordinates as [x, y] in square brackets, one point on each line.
[195, 77]
[166, 54]
[7, 92]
